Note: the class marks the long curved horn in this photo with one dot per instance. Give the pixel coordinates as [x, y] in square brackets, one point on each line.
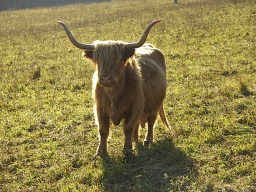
[79, 45]
[143, 37]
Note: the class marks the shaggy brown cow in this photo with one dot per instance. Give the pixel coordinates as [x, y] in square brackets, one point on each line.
[129, 84]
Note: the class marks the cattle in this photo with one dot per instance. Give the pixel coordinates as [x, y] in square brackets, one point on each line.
[129, 85]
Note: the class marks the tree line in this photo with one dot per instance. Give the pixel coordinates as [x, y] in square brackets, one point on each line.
[23, 4]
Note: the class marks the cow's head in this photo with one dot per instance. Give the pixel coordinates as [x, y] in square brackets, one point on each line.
[110, 57]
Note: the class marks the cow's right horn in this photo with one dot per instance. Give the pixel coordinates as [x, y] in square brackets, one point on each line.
[143, 37]
[74, 41]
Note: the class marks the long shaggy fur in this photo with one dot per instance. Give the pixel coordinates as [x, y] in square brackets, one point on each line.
[137, 94]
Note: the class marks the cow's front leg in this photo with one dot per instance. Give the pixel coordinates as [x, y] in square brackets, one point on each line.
[136, 133]
[128, 133]
[103, 121]
[103, 144]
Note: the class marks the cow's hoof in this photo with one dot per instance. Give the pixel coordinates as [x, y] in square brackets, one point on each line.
[99, 154]
[147, 143]
[128, 152]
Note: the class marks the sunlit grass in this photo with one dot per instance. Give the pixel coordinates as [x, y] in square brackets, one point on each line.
[47, 126]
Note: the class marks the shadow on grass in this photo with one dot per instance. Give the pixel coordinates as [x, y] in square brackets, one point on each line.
[161, 167]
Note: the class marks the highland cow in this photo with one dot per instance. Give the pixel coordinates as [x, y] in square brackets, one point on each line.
[129, 84]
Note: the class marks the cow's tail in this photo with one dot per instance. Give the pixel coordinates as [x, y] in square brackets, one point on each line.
[163, 118]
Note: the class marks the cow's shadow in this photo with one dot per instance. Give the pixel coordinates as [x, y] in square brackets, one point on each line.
[160, 167]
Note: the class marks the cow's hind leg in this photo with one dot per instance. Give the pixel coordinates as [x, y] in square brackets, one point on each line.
[150, 131]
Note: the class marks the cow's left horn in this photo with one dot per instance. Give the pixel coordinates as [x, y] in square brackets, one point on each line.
[74, 41]
[143, 37]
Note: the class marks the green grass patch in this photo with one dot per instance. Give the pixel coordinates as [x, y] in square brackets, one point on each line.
[47, 130]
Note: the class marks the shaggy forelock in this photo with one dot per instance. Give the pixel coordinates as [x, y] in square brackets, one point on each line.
[109, 52]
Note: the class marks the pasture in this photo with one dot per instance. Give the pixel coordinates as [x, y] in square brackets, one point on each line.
[47, 130]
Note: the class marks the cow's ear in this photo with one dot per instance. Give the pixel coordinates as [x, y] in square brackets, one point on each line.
[88, 54]
[128, 53]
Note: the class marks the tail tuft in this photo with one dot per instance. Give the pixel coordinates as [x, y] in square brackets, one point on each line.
[163, 118]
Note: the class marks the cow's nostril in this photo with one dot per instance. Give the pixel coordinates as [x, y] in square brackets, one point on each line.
[106, 78]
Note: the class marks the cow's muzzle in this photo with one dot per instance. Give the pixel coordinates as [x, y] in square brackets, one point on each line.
[107, 80]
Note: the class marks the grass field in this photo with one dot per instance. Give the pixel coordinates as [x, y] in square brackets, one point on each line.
[47, 131]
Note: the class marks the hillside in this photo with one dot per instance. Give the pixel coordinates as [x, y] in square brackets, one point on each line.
[26, 4]
[47, 131]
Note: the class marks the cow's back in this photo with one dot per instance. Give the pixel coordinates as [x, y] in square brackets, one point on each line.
[153, 70]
